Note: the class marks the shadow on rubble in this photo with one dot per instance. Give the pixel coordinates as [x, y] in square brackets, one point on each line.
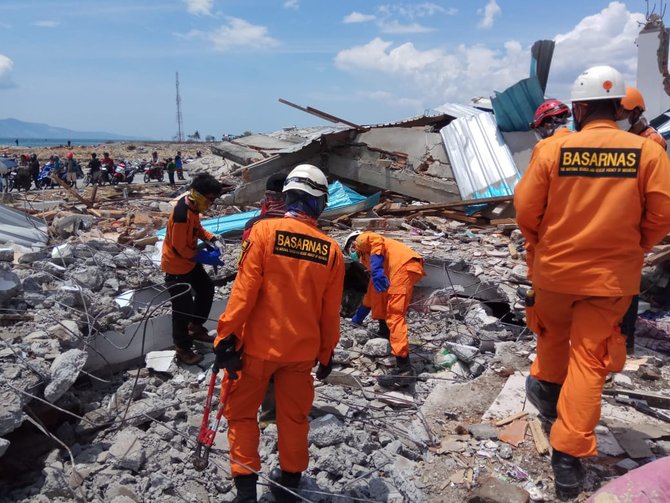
[372, 489]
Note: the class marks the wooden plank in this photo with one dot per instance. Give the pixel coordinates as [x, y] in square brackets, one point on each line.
[653, 399]
[452, 204]
[509, 419]
[71, 191]
[540, 439]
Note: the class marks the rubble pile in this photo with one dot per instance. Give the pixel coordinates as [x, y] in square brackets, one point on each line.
[75, 425]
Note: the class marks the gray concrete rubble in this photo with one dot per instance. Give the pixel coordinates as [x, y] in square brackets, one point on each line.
[87, 356]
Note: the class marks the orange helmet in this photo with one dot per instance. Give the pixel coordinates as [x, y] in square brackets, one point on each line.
[70, 155]
[633, 99]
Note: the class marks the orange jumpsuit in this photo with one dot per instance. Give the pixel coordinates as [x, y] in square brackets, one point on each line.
[589, 205]
[285, 310]
[404, 268]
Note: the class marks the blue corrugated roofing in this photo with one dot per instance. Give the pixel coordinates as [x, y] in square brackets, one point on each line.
[515, 106]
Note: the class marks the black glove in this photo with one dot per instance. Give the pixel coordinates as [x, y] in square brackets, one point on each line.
[324, 371]
[227, 357]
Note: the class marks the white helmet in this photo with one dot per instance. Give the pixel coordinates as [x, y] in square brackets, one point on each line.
[598, 83]
[307, 178]
[350, 238]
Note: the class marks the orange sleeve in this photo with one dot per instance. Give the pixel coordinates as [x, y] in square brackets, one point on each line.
[245, 289]
[655, 223]
[330, 309]
[371, 243]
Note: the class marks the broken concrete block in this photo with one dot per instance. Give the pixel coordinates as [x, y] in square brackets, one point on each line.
[483, 431]
[127, 450]
[626, 465]
[493, 490]
[622, 381]
[607, 443]
[648, 372]
[6, 255]
[4, 445]
[65, 330]
[11, 412]
[464, 353]
[30, 257]
[89, 277]
[377, 347]
[10, 285]
[326, 430]
[64, 372]
[127, 258]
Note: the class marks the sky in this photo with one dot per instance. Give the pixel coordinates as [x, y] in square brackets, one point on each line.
[110, 65]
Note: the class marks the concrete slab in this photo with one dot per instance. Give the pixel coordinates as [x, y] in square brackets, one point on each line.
[512, 399]
[115, 350]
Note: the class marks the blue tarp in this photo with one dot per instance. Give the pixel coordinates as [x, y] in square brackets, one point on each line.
[339, 196]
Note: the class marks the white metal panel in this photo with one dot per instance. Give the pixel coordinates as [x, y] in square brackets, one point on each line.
[480, 160]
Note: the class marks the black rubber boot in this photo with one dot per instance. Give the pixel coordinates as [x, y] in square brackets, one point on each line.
[568, 475]
[286, 479]
[246, 488]
[544, 396]
[400, 376]
[384, 330]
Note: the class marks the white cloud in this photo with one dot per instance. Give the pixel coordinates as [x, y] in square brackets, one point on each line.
[6, 67]
[357, 17]
[292, 4]
[199, 7]
[606, 38]
[46, 24]
[396, 27]
[411, 11]
[238, 33]
[488, 13]
[435, 75]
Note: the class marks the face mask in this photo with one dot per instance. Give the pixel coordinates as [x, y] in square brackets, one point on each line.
[353, 255]
[624, 124]
[201, 202]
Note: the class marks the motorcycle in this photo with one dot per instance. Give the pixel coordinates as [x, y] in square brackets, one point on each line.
[18, 180]
[154, 172]
[44, 180]
[123, 173]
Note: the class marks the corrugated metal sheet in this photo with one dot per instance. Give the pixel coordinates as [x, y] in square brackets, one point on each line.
[540, 61]
[458, 110]
[20, 228]
[480, 160]
[515, 106]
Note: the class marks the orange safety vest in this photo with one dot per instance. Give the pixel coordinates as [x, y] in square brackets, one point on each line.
[589, 205]
[285, 302]
[181, 239]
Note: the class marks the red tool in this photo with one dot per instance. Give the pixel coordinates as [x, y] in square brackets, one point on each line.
[206, 434]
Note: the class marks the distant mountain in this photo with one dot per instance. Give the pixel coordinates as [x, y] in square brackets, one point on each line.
[14, 128]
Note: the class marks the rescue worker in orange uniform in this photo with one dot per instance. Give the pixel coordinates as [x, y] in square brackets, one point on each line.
[633, 121]
[273, 206]
[190, 286]
[589, 205]
[551, 118]
[282, 316]
[395, 269]
[632, 117]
